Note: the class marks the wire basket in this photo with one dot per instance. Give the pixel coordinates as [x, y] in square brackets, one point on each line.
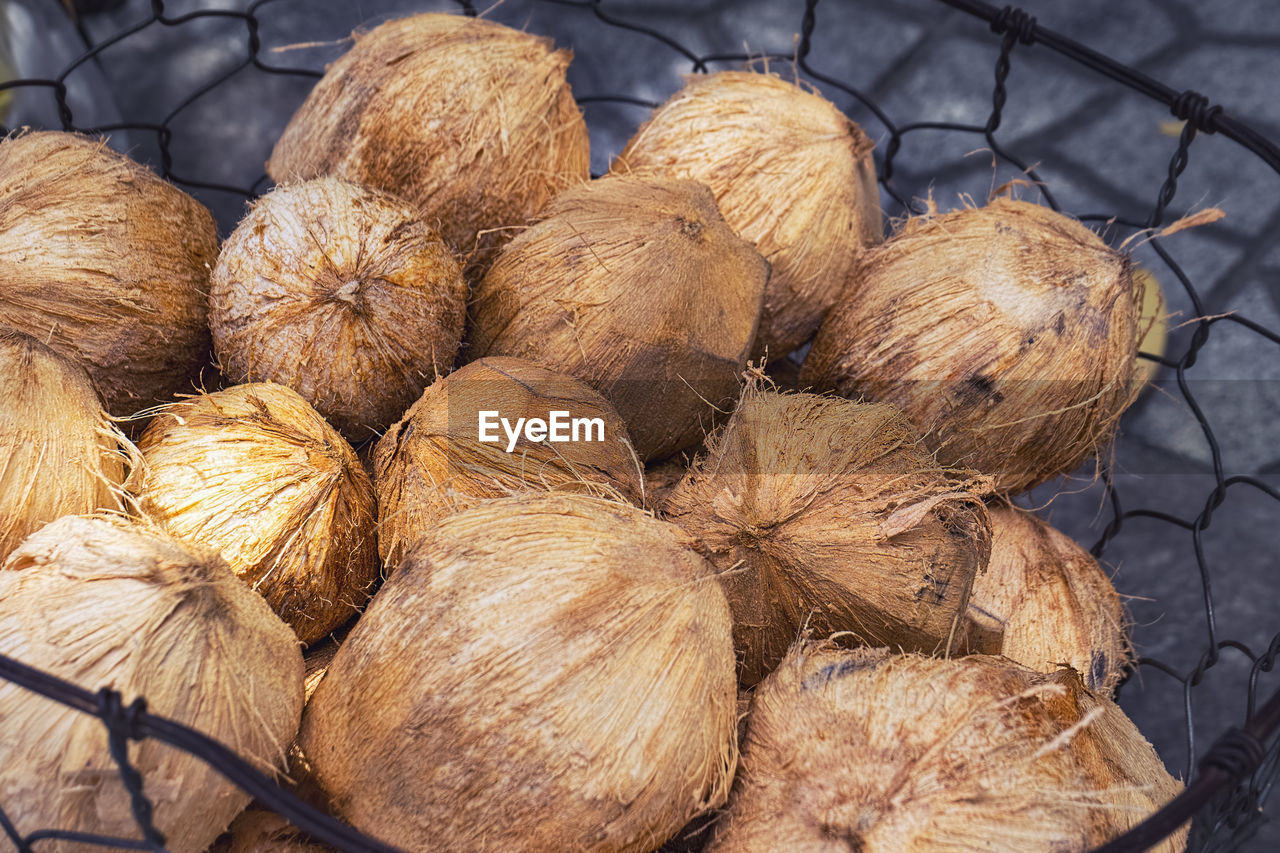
[234, 72]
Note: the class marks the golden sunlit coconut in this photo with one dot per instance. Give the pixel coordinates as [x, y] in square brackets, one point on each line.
[102, 602]
[868, 751]
[543, 672]
[469, 120]
[433, 462]
[341, 293]
[59, 452]
[638, 288]
[254, 473]
[1008, 332]
[790, 173]
[106, 263]
[830, 514]
[1045, 602]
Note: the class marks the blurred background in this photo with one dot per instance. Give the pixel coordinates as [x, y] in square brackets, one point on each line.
[1099, 148]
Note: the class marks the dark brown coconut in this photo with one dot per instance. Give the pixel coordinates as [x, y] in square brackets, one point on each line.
[1008, 332]
[433, 462]
[105, 603]
[830, 514]
[258, 830]
[543, 672]
[790, 173]
[106, 263]
[864, 750]
[59, 452]
[469, 120]
[254, 473]
[638, 288]
[342, 293]
[1045, 602]
[661, 478]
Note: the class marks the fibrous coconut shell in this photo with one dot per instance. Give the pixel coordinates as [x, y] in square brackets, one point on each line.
[1045, 602]
[60, 454]
[469, 120]
[1008, 332]
[638, 288]
[661, 478]
[543, 672]
[259, 830]
[433, 462]
[790, 173]
[864, 750]
[254, 473]
[826, 513]
[107, 264]
[102, 602]
[341, 293]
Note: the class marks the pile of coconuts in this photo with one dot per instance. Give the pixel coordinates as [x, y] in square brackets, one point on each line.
[450, 488]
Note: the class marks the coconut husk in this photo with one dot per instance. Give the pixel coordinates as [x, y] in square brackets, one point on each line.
[865, 750]
[60, 454]
[342, 293]
[433, 463]
[259, 830]
[1046, 603]
[102, 602]
[543, 672]
[254, 473]
[830, 514]
[790, 173]
[661, 478]
[106, 263]
[469, 120]
[1007, 332]
[638, 288]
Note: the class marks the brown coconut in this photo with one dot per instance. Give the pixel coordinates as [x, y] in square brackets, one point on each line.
[259, 830]
[60, 454]
[106, 263]
[1045, 602]
[661, 479]
[790, 173]
[1008, 332]
[342, 293]
[102, 602]
[830, 514]
[433, 462]
[469, 120]
[254, 473]
[543, 672]
[864, 750]
[638, 288]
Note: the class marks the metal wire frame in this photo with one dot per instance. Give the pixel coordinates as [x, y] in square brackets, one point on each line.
[1233, 776]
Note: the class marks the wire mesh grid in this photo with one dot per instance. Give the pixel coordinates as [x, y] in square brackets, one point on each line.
[1229, 780]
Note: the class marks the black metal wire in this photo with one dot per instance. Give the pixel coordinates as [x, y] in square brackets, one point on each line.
[1230, 779]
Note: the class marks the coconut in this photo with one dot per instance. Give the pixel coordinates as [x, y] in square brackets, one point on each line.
[433, 462]
[342, 293]
[830, 514]
[661, 478]
[469, 120]
[864, 750]
[106, 263]
[790, 173]
[254, 473]
[259, 830]
[1045, 602]
[1008, 332]
[102, 602]
[543, 672]
[1153, 324]
[59, 452]
[638, 288]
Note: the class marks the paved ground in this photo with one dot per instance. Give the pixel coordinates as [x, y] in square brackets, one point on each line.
[1099, 148]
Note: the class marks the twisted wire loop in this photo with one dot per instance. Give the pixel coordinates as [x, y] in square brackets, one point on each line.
[1231, 779]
